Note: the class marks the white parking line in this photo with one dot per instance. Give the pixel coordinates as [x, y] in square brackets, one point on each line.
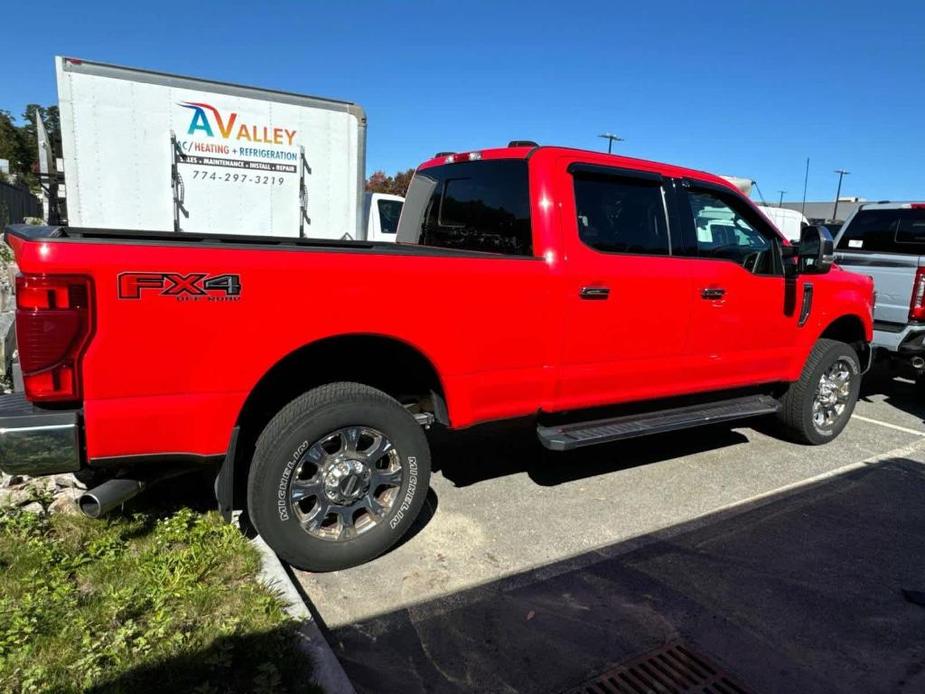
[888, 425]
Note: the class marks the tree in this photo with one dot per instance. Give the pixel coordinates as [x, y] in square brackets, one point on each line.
[398, 184]
[19, 143]
[9, 140]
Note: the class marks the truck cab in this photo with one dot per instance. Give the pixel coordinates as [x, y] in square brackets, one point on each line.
[381, 212]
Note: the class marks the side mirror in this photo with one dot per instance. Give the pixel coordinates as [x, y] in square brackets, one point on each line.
[816, 252]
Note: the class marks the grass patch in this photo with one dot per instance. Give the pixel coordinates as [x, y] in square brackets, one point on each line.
[139, 603]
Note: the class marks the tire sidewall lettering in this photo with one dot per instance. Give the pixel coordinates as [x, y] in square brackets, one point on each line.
[409, 493]
[282, 489]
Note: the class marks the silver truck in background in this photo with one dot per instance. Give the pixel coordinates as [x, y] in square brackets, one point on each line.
[886, 240]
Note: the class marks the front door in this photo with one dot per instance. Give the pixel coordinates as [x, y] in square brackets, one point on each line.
[745, 311]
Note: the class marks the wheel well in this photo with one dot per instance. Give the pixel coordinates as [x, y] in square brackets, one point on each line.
[390, 365]
[850, 330]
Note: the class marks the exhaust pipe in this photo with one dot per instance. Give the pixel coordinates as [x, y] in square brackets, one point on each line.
[111, 494]
[918, 363]
[102, 499]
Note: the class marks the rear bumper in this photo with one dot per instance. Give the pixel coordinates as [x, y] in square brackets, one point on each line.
[908, 341]
[35, 441]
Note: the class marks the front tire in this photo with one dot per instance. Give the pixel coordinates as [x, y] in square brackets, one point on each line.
[338, 477]
[816, 408]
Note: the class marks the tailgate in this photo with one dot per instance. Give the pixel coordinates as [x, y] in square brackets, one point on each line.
[894, 277]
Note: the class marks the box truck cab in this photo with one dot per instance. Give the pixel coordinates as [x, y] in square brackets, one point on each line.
[381, 211]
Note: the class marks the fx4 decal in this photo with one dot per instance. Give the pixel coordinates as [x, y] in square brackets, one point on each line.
[190, 287]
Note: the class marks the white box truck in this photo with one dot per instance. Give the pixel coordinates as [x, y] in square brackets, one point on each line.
[147, 150]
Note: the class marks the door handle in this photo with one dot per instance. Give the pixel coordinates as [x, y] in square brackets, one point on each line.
[712, 293]
[597, 293]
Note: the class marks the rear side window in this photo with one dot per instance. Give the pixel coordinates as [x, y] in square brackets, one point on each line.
[886, 231]
[474, 206]
[621, 215]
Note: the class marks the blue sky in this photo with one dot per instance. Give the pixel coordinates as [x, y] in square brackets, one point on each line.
[742, 88]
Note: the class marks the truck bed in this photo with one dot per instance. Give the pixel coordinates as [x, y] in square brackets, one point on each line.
[161, 238]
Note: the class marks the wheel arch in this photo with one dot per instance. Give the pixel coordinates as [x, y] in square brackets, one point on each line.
[389, 364]
[852, 330]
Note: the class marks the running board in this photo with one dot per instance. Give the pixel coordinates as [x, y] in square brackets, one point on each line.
[569, 436]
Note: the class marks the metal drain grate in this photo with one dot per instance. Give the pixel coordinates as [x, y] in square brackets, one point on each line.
[672, 669]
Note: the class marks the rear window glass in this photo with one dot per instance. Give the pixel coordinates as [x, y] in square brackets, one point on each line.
[885, 231]
[475, 206]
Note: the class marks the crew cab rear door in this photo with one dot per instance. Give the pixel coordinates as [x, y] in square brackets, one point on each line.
[627, 300]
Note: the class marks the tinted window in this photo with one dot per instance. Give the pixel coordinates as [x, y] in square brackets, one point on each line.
[886, 231]
[389, 212]
[475, 206]
[726, 231]
[621, 215]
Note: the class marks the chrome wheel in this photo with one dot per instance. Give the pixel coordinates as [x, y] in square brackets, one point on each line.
[833, 394]
[346, 483]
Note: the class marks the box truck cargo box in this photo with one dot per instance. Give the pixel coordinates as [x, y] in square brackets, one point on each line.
[146, 150]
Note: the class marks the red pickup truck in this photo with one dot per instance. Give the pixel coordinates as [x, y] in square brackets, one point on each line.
[607, 297]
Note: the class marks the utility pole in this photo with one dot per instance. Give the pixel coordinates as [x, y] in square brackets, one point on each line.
[805, 181]
[841, 174]
[780, 202]
[610, 137]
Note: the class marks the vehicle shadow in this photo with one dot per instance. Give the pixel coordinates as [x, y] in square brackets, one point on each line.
[796, 592]
[886, 384]
[500, 449]
[269, 661]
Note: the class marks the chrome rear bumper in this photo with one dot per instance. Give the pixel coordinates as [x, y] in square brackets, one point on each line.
[36, 441]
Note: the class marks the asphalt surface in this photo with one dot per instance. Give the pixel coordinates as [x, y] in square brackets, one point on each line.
[532, 572]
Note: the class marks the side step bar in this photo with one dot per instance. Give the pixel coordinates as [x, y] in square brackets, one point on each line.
[569, 436]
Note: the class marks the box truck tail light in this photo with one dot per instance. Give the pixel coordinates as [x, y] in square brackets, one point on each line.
[917, 309]
[54, 323]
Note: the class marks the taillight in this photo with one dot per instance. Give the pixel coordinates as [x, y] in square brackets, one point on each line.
[54, 323]
[917, 308]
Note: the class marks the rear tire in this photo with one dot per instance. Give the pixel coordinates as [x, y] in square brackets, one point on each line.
[816, 408]
[338, 477]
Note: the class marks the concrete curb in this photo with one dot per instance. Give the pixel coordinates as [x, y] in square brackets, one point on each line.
[328, 673]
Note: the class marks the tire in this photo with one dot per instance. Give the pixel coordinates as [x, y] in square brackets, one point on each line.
[318, 457]
[798, 414]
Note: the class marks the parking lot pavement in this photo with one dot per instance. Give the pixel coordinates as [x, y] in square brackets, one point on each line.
[506, 516]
